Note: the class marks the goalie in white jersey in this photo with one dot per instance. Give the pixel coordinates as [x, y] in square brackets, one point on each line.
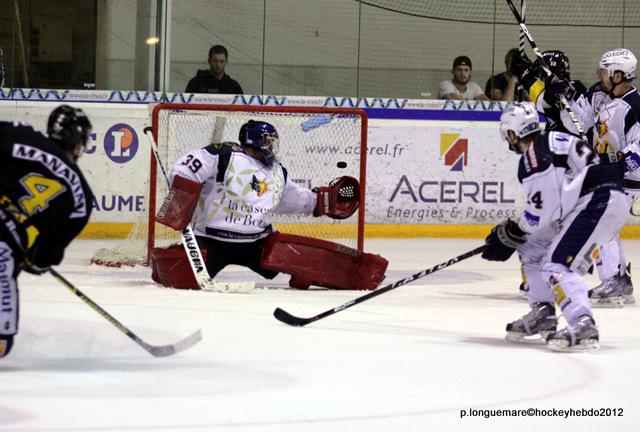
[239, 188]
[574, 206]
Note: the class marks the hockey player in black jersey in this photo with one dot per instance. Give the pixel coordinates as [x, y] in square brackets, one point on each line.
[545, 91]
[574, 205]
[44, 202]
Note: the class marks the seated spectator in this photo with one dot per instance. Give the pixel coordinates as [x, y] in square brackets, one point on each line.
[214, 80]
[504, 86]
[460, 86]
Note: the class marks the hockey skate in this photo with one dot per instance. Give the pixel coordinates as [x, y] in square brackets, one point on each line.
[582, 336]
[615, 292]
[540, 321]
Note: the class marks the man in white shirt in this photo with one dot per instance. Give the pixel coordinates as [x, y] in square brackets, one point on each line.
[460, 85]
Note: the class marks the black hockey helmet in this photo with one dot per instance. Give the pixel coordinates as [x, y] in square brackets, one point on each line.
[558, 63]
[68, 126]
[260, 136]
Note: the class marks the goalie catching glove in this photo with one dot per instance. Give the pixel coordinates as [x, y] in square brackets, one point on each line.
[180, 203]
[339, 200]
[503, 240]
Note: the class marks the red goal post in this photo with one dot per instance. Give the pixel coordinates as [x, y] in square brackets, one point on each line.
[317, 144]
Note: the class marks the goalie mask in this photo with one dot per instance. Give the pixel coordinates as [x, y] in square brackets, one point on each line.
[68, 126]
[262, 137]
[522, 119]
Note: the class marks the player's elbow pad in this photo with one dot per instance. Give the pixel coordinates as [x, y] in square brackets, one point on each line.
[180, 203]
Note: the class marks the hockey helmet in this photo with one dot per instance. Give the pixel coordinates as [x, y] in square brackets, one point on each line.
[621, 60]
[522, 119]
[260, 136]
[557, 61]
[68, 126]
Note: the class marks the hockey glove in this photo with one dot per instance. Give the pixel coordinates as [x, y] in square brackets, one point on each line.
[526, 71]
[34, 269]
[556, 87]
[339, 200]
[503, 241]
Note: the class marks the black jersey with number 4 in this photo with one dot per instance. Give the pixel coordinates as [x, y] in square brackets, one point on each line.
[45, 200]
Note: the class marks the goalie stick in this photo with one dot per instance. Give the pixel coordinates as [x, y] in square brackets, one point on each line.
[154, 350]
[545, 68]
[287, 318]
[197, 263]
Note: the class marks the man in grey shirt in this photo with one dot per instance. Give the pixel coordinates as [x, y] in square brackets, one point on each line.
[460, 85]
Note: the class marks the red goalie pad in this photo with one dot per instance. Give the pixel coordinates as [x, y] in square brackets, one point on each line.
[339, 200]
[170, 267]
[323, 263]
[177, 208]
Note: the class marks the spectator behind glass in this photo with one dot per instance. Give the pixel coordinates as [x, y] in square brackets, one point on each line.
[504, 86]
[460, 86]
[214, 80]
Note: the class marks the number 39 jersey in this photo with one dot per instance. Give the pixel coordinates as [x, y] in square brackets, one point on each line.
[44, 199]
[557, 172]
[240, 193]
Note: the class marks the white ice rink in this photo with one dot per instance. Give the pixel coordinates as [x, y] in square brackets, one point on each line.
[408, 360]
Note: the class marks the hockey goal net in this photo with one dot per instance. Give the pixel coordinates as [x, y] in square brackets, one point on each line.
[316, 146]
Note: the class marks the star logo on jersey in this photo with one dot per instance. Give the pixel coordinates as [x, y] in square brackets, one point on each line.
[602, 128]
[455, 150]
[260, 186]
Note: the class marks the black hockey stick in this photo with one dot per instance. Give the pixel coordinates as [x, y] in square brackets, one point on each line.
[287, 318]
[154, 350]
[545, 67]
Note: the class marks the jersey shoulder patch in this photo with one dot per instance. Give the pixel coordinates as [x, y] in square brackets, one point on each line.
[535, 159]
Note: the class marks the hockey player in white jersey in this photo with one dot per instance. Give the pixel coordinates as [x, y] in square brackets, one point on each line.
[609, 112]
[239, 187]
[574, 205]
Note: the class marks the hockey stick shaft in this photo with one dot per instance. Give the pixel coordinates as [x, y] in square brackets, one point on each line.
[194, 255]
[287, 318]
[545, 67]
[155, 350]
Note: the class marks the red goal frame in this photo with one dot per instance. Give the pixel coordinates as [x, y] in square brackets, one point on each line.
[258, 109]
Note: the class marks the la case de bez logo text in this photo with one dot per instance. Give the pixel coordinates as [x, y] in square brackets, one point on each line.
[455, 150]
[121, 143]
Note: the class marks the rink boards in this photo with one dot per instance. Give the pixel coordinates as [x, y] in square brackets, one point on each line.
[434, 168]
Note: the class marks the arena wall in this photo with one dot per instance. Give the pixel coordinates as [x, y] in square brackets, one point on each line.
[435, 168]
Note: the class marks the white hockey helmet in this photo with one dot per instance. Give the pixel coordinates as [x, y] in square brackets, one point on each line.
[620, 59]
[522, 119]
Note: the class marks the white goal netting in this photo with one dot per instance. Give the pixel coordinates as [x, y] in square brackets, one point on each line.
[316, 146]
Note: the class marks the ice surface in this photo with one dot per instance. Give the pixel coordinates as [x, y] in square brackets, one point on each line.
[408, 360]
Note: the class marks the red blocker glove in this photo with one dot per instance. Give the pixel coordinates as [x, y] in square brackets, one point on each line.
[177, 208]
[339, 200]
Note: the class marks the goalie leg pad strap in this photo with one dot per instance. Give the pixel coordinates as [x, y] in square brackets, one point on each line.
[170, 267]
[322, 263]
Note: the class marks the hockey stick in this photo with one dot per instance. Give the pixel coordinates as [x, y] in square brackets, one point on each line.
[287, 318]
[154, 350]
[545, 68]
[191, 246]
[523, 8]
